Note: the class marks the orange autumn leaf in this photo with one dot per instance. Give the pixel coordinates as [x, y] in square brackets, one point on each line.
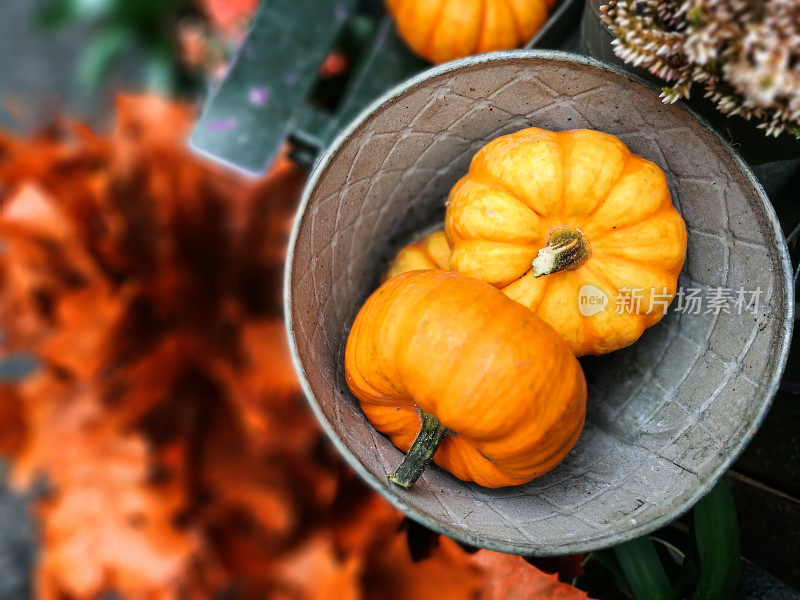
[261, 394]
[360, 517]
[33, 211]
[80, 340]
[315, 571]
[247, 482]
[12, 420]
[165, 417]
[107, 526]
[132, 267]
[229, 15]
[106, 510]
[511, 578]
[448, 574]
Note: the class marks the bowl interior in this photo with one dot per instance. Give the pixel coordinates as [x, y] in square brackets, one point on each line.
[666, 416]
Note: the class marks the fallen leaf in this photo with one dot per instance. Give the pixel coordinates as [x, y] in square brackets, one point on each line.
[511, 578]
[165, 416]
[105, 525]
[315, 572]
[12, 420]
[447, 574]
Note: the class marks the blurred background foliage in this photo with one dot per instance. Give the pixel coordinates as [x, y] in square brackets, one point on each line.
[121, 27]
[294, 513]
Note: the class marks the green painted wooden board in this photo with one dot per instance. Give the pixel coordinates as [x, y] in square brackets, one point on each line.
[254, 111]
[387, 64]
[265, 89]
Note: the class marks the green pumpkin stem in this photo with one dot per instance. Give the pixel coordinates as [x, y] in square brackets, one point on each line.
[430, 435]
[566, 249]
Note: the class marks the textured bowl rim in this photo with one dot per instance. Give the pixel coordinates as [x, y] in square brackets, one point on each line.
[611, 538]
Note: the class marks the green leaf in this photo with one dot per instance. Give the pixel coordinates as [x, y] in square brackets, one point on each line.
[643, 570]
[56, 13]
[689, 574]
[99, 55]
[717, 533]
[608, 559]
[93, 9]
[160, 75]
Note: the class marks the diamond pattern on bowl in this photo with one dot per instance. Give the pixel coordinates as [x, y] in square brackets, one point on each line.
[666, 416]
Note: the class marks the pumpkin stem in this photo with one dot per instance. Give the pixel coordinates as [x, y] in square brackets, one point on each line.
[566, 249]
[430, 435]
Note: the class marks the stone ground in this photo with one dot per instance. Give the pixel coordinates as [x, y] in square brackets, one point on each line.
[36, 80]
[37, 71]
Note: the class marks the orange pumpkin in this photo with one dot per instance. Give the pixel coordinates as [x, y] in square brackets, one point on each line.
[430, 252]
[573, 226]
[451, 369]
[443, 30]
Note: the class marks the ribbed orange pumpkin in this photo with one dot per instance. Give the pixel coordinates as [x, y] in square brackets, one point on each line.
[595, 221]
[439, 360]
[430, 252]
[443, 30]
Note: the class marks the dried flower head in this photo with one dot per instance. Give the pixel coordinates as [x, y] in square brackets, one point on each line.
[746, 54]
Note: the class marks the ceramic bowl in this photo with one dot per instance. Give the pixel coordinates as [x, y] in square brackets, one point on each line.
[666, 416]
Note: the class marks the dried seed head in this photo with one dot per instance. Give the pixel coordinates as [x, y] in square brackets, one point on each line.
[745, 54]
